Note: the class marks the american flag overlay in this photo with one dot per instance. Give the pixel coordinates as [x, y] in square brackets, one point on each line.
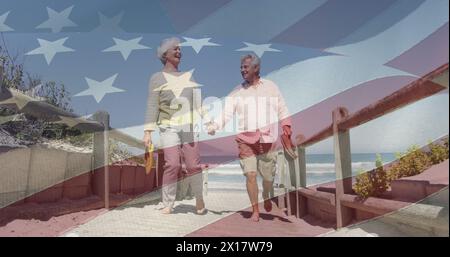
[382, 65]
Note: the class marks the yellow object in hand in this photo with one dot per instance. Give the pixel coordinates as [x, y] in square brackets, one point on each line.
[149, 158]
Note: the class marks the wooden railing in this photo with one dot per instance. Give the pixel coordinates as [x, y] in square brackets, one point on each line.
[342, 122]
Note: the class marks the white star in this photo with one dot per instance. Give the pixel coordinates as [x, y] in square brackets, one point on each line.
[258, 49]
[177, 83]
[198, 44]
[109, 24]
[50, 48]
[125, 47]
[19, 99]
[3, 26]
[57, 20]
[73, 121]
[99, 89]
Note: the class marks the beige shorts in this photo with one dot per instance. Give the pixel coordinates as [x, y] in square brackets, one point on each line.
[258, 157]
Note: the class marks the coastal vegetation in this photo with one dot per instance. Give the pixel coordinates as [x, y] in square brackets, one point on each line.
[413, 162]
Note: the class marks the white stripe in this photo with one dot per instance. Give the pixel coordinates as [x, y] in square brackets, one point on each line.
[402, 36]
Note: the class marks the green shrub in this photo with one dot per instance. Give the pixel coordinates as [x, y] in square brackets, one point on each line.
[380, 177]
[438, 152]
[412, 163]
[363, 187]
[372, 183]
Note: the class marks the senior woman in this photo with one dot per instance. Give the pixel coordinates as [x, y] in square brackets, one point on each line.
[170, 108]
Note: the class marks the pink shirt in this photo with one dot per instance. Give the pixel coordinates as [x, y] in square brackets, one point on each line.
[259, 109]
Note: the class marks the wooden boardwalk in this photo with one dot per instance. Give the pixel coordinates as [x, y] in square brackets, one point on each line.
[228, 215]
[273, 224]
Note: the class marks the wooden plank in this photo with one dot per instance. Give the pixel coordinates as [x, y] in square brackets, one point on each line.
[281, 168]
[374, 205]
[322, 197]
[343, 166]
[426, 86]
[101, 151]
[321, 135]
[401, 98]
[301, 166]
[291, 168]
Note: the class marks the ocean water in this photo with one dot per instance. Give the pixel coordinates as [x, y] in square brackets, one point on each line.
[319, 169]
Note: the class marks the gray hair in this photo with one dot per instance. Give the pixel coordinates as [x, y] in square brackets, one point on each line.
[255, 59]
[165, 45]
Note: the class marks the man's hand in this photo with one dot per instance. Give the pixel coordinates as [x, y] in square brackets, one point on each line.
[147, 138]
[287, 130]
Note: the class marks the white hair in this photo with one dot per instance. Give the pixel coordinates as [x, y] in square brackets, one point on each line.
[165, 45]
[255, 61]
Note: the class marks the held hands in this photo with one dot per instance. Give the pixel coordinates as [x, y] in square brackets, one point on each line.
[211, 127]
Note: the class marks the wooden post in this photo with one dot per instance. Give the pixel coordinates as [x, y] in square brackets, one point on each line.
[301, 201]
[294, 177]
[343, 166]
[296, 173]
[292, 173]
[101, 151]
[283, 181]
[281, 168]
[289, 183]
[302, 166]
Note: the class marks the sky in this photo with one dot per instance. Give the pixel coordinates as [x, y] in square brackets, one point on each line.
[320, 53]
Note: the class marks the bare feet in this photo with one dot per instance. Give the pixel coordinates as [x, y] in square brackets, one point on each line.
[166, 210]
[199, 203]
[200, 206]
[267, 205]
[255, 217]
[201, 211]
